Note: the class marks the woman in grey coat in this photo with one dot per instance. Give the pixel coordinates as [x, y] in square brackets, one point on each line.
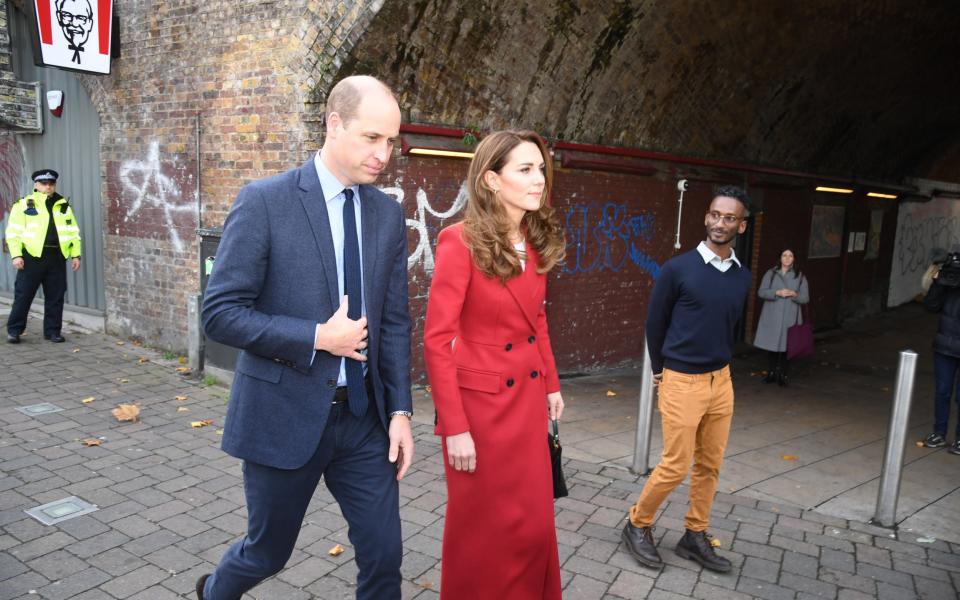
[783, 290]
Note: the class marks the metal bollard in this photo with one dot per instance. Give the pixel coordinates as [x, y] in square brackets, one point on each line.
[641, 447]
[889, 492]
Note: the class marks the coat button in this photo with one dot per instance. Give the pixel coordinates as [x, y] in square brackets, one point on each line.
[508, 347]
[533, 374]
[332, 383]
[532, 339]
[509, 383]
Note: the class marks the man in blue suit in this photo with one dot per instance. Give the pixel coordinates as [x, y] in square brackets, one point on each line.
[310, 282]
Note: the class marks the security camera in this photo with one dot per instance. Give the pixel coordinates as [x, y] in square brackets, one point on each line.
[683, 185]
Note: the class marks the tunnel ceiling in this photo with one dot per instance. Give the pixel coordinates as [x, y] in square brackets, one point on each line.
[862, 88]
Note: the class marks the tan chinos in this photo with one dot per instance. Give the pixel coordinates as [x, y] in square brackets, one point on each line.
[696, 411]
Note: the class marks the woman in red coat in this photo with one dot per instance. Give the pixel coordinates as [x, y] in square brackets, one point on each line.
[493, 377]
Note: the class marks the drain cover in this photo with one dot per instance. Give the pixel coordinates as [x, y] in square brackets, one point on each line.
[39, 409]
[61, 510]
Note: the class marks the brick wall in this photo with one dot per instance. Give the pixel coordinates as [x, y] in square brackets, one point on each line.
[19, 100]
[252, 74]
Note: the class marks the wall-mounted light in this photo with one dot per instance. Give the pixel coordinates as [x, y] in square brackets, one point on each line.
[879, 195]
[834, 190]
[423, 145]
[438, 152]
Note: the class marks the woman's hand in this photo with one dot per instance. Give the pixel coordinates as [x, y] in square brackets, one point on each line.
[461, 452]
[786, 293]
[555, 405]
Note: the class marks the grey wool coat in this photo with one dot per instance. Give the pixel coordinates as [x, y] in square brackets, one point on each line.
[779, 314]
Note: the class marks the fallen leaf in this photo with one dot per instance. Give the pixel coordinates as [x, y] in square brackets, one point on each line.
[91, 442]
[788, 457]
[126, 412]
[919, 444]
[336, 550]
[714, 542]
[219, 432]
[202, 423]
[611, 393]
[427, 585]
[75, 350]
[886, 389]
[183, 409]
[137, 343]
[183, 369]
[124, 380]
[179, 398]
[182, 360]
[88, 400]
[142, 359]
[120, 343]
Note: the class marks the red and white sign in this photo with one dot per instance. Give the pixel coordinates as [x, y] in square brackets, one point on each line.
[75, 34]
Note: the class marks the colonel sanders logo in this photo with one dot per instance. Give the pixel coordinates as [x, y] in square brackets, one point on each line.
[76, 21]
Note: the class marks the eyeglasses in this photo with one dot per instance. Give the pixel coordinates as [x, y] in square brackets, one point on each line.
[68, 19]
[727, 219]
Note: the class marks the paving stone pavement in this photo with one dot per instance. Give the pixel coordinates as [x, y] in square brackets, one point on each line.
[170, 502]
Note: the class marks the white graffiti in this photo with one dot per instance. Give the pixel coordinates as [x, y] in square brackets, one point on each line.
[423, 254]
[922, 229]
[152, 188]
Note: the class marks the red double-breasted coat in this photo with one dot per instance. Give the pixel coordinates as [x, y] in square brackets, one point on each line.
[491, 367]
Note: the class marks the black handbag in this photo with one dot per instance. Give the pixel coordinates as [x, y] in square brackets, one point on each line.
[553, 442]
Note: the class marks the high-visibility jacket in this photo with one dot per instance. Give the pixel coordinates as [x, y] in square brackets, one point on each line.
[27, 226]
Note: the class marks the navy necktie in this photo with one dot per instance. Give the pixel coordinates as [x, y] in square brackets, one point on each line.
[356, 391]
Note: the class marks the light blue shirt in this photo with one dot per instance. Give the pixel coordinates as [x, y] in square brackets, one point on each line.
[334, 198]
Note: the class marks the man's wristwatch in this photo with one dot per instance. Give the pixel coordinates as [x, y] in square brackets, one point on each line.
[405, 413]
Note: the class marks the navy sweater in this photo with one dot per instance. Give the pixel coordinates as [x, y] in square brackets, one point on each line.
[693, 314]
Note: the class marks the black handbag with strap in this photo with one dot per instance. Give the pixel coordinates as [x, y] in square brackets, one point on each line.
[556, 464]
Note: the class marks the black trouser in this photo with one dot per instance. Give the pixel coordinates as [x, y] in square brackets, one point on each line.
[778, 362]
[50, 271]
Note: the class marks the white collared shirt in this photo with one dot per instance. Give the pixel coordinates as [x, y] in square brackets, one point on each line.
[722, 264]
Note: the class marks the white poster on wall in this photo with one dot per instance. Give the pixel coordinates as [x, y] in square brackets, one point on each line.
[921, 228]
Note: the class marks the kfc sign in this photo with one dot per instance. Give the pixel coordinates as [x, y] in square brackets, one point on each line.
[74, 34]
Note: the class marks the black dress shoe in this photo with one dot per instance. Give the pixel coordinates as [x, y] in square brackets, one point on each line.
[782, 380]
[200, 585]
[13, 338]
[55, 338]
[695, 545]
[639, 542]
[770, 377]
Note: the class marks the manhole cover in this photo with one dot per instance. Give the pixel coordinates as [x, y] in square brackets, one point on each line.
[39, 409]
[61, 510]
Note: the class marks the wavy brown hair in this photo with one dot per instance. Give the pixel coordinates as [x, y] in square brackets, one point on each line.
[486, 227]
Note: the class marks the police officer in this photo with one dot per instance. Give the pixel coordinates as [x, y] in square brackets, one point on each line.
[41, 233]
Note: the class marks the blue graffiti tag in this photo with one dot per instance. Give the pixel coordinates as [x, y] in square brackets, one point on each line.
[607, 245]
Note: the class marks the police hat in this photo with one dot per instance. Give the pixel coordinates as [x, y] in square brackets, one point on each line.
[45, 175]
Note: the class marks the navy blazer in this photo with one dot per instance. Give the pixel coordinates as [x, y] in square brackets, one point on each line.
[274, 279]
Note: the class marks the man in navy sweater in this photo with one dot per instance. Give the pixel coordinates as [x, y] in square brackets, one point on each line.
[697, 301]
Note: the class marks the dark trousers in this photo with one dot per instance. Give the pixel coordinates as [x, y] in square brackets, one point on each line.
[945, 373]
[50, 271]
[352, 458]
[778, 362]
